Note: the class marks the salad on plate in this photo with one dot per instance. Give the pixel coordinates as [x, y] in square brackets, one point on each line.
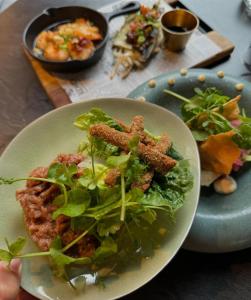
[223, 133]
[106, 206]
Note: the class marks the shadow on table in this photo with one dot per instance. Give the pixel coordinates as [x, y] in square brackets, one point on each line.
[202, 276]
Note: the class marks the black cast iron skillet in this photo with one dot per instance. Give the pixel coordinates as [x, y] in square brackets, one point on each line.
[52, 17]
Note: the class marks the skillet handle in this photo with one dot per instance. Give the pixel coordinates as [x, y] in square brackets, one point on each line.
[126, 8]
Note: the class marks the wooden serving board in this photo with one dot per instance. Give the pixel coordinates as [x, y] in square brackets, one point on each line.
[60, 93]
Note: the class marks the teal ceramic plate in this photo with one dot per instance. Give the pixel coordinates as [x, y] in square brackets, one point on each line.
[222, 223]
[40, 142]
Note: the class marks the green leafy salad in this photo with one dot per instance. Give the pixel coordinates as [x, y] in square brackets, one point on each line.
[106, 206]
[222, 131]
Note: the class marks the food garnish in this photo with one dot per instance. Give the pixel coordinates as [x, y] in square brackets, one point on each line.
[141, 99]
[202, 77]
[220, 74]
[171, 81]
[136, 41]
[106, 206]
[69, 41]
[152, 83]
[183, 71]
[239, 87]
[222, 131]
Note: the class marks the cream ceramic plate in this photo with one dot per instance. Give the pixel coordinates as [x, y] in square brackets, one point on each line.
[53, 133]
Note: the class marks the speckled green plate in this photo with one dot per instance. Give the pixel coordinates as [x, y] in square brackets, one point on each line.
[222, 223]
[40, 142]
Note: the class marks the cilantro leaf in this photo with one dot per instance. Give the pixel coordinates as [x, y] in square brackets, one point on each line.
[102, 149]
[149, 215]
[16, 247]
[57, 243]
[62, 173]
[136, 169]
[89, 181]
[78, 201]
[243, 136]
[119, 162]
[107, 248]
[200, 135]
[61, 260]
[202, 112]
[108, 226]
[5, 255]
[59, 200]
[95, 116]
[81, 223]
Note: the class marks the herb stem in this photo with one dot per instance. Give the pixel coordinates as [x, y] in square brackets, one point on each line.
[184, 99]
[111, 215]
[123, 206]
[65, 193]
[79, 237]
[102, 206]
[13, 180]
[92, 160]
[47, 253]
[222, 118]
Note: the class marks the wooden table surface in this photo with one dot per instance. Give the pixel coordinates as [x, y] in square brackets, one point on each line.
[189, 276]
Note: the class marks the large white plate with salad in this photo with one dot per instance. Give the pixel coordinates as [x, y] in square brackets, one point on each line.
[217, 109]
[110, 200]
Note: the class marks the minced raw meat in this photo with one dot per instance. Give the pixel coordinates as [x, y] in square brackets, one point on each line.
[36, 201]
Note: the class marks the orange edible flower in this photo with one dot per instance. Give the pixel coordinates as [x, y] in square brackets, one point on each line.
[219, 152]
[231, 109]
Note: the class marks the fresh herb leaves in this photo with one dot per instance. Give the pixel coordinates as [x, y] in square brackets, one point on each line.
[95, 116]
[169, 190]
[243, 136]
[204, 115]
[78, 201]
[198, 111]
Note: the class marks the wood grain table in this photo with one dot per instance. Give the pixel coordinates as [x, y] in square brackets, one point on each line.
[190, 276]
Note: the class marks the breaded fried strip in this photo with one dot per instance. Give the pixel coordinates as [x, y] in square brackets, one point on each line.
[146, 179]
[164, 143]
[159, 161]
[137, 126]
[125, 127]
[146, 139]
[111, 135]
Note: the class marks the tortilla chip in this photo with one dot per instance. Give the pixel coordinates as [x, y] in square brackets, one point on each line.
[219, 152]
